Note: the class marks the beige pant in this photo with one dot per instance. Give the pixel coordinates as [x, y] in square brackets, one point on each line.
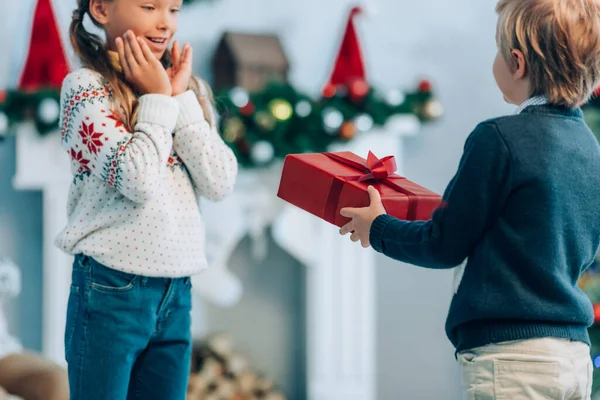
[536, 369]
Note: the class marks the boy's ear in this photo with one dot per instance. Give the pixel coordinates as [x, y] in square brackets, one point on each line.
[99, 11]
[518, 60]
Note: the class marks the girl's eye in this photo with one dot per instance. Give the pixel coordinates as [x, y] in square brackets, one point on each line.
[149, 8]
[175, 10]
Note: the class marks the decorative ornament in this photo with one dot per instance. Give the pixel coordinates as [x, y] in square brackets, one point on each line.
[233, 130]
[243, 146]
[425, 86]
[48, 111]
[394, 97]
[349, 62]
[433, 109]
[262, 152]
[3, 124]
[281, 109]
[265, 120]
[333, 119]
[347, 130]
[358, 89]
[329, 90]
[303, 108]
[248, 109]
[46, 64]
[363, 123]
[239, 97]
[248, 60]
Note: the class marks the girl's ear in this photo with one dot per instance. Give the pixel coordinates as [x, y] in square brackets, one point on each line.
[99, 11]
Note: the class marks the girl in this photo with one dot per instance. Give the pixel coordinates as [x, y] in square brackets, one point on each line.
[141, 134]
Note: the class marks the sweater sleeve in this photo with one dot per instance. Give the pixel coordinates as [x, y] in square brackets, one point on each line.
[473, 200]
[210, 162]
[99, 144]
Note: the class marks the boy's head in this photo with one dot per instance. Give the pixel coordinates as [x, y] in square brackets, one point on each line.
[548, 47]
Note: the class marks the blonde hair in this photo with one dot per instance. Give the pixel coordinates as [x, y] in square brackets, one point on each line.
[560, 40]
[93, 55]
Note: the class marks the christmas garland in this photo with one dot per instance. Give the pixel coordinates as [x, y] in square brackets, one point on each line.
[40, 106]
[279, 120]
[265, 125]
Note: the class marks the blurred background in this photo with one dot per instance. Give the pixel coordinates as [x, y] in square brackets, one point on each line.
[427, 82]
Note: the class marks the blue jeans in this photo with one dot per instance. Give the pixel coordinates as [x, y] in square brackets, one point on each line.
[127, 336]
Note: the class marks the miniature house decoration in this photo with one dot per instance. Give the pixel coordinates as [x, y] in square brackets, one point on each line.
[249, 61]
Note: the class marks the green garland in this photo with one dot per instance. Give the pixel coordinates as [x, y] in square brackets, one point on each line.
[267, 125]
[41, 107]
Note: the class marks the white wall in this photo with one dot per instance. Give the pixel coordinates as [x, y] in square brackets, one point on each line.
[451, 43]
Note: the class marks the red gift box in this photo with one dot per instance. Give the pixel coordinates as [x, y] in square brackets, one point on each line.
[324, 183]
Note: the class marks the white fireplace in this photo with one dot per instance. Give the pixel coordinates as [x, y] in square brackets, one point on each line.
[341, 311]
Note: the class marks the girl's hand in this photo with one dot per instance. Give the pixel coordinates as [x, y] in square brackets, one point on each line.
[141, 67]
[181, 71]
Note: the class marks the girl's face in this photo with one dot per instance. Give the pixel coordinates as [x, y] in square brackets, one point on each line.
[153, 20]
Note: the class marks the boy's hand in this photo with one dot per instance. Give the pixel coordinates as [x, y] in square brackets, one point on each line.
[362, 218]
[181, 71]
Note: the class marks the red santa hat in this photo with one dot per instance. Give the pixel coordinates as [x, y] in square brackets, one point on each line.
[349, 68]
[46, 64]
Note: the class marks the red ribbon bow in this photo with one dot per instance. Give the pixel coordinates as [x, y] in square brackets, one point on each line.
[380, 169]
[375, 169]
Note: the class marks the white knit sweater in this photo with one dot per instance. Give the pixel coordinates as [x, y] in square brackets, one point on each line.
[133, 204]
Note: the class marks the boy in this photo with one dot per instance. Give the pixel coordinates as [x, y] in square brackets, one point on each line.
[524, 208]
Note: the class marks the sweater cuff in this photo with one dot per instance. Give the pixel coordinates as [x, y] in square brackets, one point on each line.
[190, 111]
[377, 231]
[158, 109]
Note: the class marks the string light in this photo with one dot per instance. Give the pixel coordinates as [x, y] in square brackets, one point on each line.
[332, 119]
[239, 97]
[281, 109]
[303, 108]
